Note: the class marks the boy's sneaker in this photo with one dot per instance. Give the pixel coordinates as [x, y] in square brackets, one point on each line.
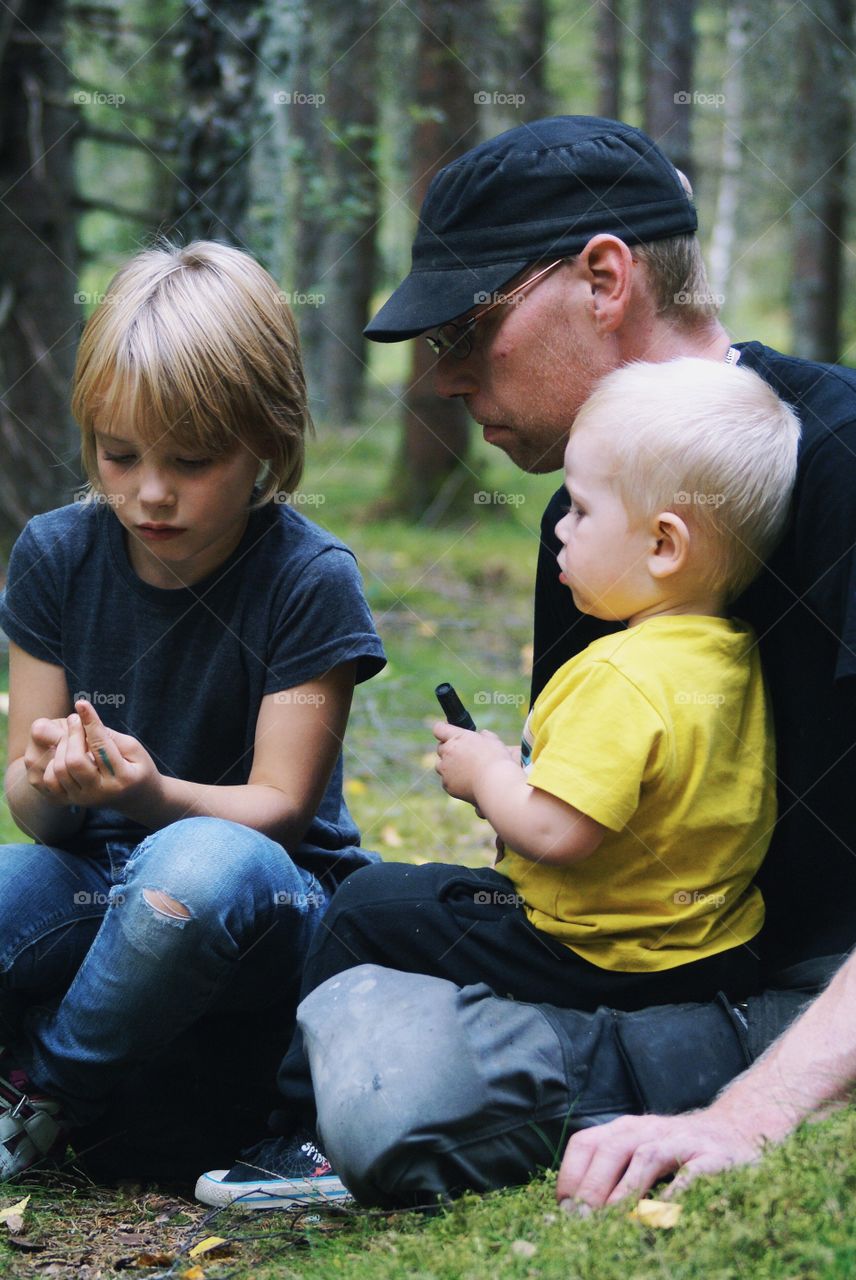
[30, 1124]
[278, 1173]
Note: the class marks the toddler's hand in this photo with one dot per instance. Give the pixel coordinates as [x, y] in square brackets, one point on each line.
[463, 755]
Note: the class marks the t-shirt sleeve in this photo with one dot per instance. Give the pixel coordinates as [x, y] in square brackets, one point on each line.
[599, 746]
[30, 606]
[323, 621]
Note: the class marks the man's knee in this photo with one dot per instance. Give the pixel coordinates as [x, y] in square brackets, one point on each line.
[416, 1080]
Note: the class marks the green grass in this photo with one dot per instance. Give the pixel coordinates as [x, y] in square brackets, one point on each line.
[451, 604]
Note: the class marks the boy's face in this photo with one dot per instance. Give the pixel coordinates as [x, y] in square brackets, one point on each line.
[184, 512]
[604, 558]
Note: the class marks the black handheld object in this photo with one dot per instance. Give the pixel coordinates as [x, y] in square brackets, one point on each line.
[453, 709]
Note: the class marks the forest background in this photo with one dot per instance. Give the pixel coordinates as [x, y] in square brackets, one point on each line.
[307, 131]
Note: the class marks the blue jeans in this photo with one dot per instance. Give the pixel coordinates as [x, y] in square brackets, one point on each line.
[109, 979]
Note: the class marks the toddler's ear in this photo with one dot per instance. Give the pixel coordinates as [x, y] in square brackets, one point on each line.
[672, 545]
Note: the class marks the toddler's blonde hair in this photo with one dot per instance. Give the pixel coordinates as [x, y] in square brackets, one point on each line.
[710, 442]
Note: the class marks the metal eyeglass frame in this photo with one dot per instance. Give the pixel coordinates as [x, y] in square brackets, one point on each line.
[456, 339]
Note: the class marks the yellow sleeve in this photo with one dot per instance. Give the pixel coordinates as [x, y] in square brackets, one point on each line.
[597, 741]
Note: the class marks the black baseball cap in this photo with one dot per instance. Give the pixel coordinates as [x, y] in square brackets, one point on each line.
[539, 191]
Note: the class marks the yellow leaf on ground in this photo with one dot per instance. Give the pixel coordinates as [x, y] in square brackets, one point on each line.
[391, 837]
[14, 1210]
[657, 1213]
[193, 1273]
[206, 1245]
[354, 787]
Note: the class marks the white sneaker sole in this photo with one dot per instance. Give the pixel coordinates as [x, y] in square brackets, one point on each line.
[273, 1193]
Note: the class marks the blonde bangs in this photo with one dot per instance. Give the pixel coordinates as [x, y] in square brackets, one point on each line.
[199, 346]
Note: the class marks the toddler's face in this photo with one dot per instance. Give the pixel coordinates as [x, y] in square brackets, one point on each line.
[604, 556]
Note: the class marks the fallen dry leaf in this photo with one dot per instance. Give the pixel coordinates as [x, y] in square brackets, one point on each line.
[207, 1245]
[193, 1273]
[14, 1210]
[657, 1213]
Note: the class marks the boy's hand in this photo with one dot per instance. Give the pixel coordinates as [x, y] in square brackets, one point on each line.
[45, 736]
[94, 765]
[463, 755]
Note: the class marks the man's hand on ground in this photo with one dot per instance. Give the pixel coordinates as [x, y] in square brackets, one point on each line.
[604, 1164]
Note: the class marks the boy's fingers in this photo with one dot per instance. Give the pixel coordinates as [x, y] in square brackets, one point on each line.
[47, 733]
[98, 739]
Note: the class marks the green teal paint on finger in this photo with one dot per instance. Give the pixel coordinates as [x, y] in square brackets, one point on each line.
[105, 759]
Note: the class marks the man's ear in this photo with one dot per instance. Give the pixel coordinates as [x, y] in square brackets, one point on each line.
[671, 547]
[608, 266]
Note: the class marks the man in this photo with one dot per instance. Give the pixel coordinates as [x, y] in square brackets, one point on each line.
[427, 1080]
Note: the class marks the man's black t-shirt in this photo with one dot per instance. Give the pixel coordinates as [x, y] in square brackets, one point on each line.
[803, 608]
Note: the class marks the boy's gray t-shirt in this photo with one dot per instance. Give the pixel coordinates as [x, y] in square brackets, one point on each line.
[185, 670]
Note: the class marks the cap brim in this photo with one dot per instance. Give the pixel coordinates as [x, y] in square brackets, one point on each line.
[426, 299]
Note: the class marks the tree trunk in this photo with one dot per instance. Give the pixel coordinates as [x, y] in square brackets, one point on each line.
[350, 121]
[668, 41]
[822, 127]
[431, 476]
[39, 321]
[608, 58]
[531, 46]
[220, 64]
[724, 234]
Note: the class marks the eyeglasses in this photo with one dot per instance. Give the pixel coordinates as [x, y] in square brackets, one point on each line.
[456, 339]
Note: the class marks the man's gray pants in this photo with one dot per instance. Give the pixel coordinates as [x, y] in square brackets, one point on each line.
[425, 1089]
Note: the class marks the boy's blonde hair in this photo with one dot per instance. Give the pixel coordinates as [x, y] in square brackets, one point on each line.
[710, 442]
[197, 344]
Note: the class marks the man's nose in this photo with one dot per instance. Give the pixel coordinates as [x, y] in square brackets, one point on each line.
[454, 377]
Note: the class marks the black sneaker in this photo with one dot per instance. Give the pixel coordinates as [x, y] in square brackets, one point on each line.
[280, 1173]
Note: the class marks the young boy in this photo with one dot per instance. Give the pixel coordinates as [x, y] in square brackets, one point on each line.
[647, 793]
